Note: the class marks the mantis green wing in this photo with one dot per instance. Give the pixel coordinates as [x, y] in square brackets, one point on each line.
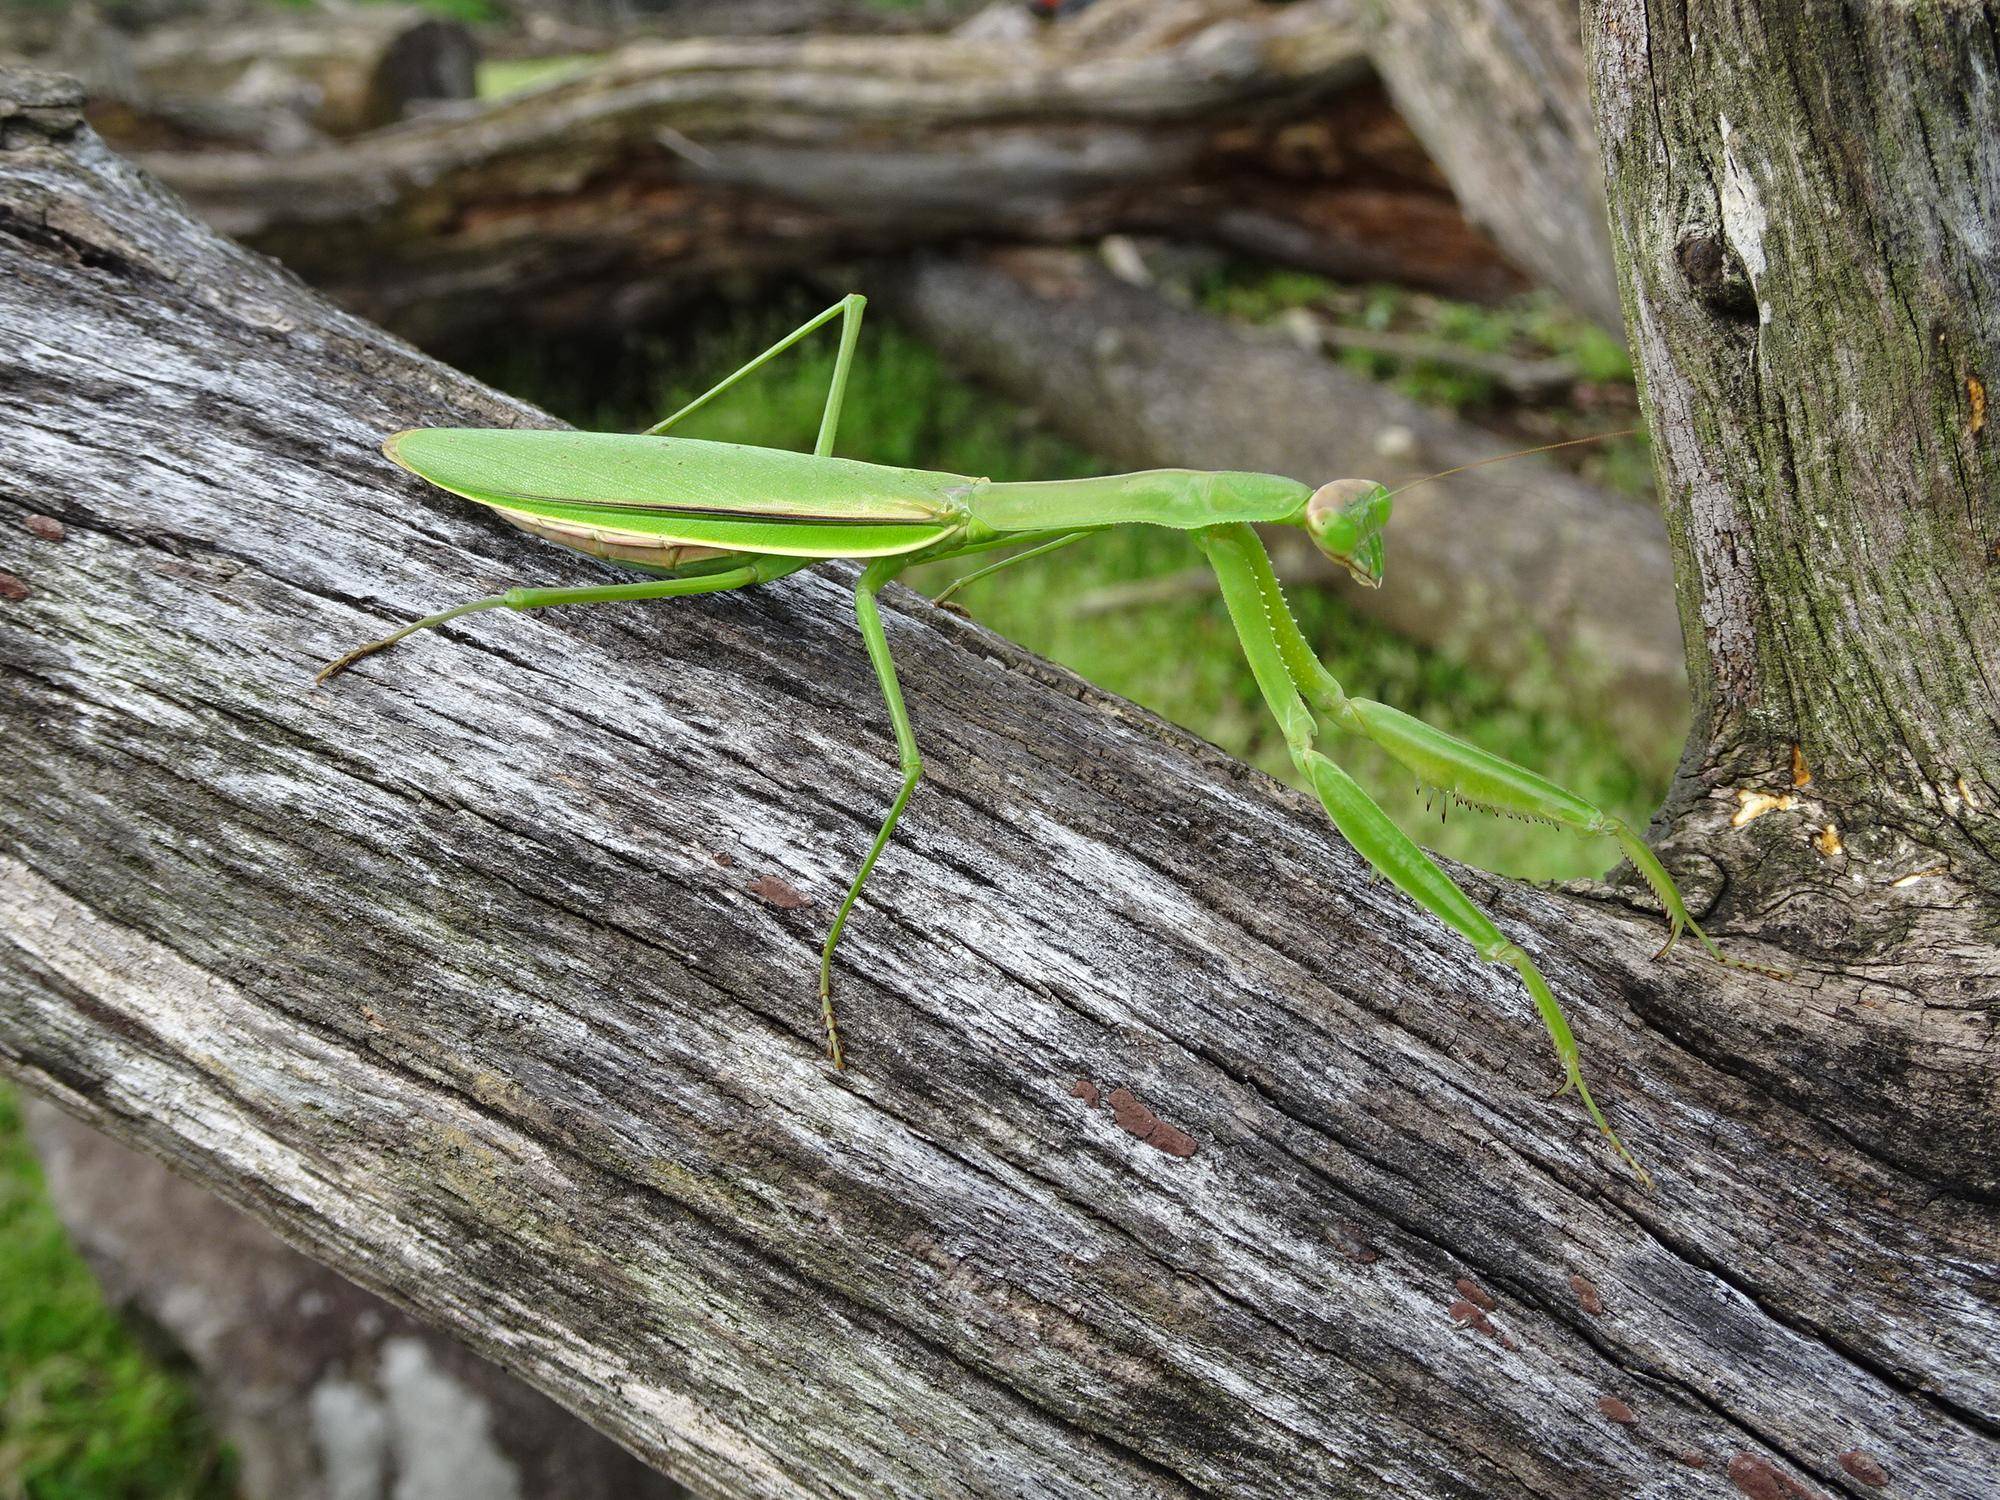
[662, 491]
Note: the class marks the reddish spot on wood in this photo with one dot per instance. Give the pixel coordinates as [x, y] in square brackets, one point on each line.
[1131, 1115]
[723, 858]
[1586, 1294]
[1693, 1458]
[1468, 1315]
[1353, 1245]
[778, 892]
[1863, 1467]
[1617, 1411]
[11, 588]
[48, 528]
[1085, 1090]
[1761, 1480]
[1476, 1294]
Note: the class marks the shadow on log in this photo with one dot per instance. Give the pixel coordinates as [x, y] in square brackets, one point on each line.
[454, 978]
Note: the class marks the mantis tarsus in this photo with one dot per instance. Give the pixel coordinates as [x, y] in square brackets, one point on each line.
[707, 517]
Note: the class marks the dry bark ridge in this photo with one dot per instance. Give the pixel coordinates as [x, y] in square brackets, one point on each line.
[1516, 567]
[451, 976]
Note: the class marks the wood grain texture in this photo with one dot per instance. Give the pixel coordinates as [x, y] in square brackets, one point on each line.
[450, 974]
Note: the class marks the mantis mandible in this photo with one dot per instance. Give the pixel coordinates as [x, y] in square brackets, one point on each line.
[706, 517]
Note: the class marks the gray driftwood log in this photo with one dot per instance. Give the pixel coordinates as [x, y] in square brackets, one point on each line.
[1177, 1158]
[1516, 566]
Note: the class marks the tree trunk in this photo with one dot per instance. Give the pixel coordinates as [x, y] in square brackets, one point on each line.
[1177, 1158]
[1805, 207]
[1515, 567]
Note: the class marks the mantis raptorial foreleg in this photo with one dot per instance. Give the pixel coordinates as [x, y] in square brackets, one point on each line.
[1284, 664]
[869, 616]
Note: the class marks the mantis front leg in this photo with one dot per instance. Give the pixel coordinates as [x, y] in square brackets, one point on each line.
[1282, 661]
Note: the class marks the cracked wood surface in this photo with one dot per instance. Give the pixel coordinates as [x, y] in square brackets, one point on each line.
[451, 974]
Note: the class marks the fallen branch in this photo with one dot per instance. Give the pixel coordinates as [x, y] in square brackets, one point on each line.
[605, 197]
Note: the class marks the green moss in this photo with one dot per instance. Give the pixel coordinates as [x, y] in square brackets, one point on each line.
[84, 1413]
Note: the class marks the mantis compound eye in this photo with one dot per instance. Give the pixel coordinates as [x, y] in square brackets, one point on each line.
[1345, 520]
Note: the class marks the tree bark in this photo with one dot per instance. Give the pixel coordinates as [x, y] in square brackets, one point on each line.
[1515, 567]
[605, 198]
[1177, 1157]
[1805, 204]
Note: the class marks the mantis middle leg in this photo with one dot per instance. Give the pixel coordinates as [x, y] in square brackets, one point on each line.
[1282, 663]
[869, 615]
[849, 310]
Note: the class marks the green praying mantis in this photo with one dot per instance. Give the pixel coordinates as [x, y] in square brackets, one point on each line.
[705, 517]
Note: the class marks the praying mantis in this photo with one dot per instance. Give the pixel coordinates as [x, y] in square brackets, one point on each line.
[706, 517]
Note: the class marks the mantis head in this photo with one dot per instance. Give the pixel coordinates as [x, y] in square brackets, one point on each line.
[1345, 520]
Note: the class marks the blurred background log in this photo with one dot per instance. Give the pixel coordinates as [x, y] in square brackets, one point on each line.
[267, 82]
[602, 198]
[325, 1391]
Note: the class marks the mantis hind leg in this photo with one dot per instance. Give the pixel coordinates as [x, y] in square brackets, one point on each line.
[869, 616]
[757, 570]
[848, 309]
[1283, 663]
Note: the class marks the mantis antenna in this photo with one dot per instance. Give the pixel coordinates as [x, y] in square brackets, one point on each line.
[1501, 458]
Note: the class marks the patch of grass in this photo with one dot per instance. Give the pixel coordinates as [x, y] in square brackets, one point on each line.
[1178, 657]
[501, 76]
[85, 1414]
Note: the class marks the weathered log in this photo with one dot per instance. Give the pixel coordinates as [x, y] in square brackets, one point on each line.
[604, 197]
[1495, 90]
[322, 1390]
[1178, 1157]
[272, 82]
[1515, 566]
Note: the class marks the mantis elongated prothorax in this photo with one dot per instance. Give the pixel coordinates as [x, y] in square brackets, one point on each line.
[705, 517]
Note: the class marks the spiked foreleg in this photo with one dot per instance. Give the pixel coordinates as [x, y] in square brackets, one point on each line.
[1492, 782]
[1278, 656]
